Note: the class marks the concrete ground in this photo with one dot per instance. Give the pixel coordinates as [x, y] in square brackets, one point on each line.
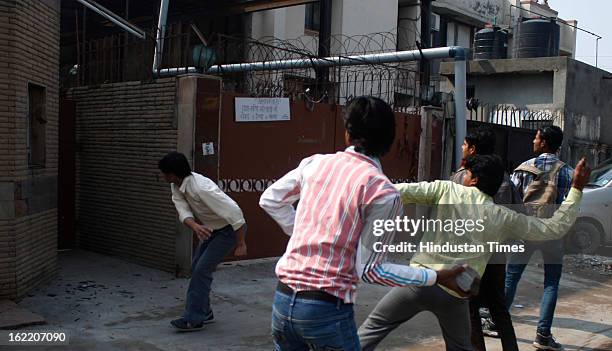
[108, 304]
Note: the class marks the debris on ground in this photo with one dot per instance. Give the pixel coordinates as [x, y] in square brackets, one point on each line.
[594, 263]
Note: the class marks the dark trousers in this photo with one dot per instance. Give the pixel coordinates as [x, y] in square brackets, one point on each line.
[206, 258]
[491, 295]
[401, 304]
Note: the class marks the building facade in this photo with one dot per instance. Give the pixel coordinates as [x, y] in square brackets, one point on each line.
[29, 86]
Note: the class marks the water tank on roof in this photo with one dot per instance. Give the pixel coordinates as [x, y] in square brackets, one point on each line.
[538, 38]
[490, 44]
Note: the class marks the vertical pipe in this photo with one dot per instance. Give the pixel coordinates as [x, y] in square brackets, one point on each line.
[161, 28]
[425, 66]
[460, 109]
[325, 19]
[596, 51]
[84, 61]
[78, 47]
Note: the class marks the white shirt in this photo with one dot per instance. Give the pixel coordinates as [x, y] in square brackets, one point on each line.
[199, 197]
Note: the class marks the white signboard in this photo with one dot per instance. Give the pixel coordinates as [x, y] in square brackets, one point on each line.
[262, 109]
[208, 149]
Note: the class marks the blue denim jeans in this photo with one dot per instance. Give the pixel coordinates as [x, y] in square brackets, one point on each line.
[552, 253]
[206, 258]
[303, 324]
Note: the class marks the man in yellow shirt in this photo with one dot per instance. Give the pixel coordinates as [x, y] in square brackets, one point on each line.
[471, 201]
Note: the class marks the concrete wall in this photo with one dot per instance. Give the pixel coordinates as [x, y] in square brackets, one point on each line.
[29, 43]
[523, 90]
[458, 34]
[568, 39]
[283, 23]
[365, 16]
[474, 11]
[123, 206]
[588, 111]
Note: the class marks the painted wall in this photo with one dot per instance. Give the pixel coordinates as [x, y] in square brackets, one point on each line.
[523, 90]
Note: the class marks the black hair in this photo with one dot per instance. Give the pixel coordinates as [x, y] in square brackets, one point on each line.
[370, 123]
[553, 136]
[175, 163]
[483, 139]
[489, 171]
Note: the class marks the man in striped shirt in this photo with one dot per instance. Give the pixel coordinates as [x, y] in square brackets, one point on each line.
[340, 195]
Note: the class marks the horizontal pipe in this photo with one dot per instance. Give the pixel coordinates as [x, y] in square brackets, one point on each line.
[109, 15]
[456, 52]
[168, 72]
[387, 57]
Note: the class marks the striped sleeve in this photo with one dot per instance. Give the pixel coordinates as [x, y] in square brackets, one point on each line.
[278, 199]
[372, 262]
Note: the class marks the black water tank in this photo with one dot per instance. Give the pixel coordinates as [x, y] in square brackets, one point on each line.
[538, 38]
[490, 44]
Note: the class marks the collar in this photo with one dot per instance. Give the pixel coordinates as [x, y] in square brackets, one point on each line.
[547, 154]
[183, 186]
[373, 160]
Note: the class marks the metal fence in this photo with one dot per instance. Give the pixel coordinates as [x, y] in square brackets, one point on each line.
[512, 116]
[121, 58]
[395, 83]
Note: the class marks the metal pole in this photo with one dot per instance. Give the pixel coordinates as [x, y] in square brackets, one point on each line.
[425, 67]
[460, 109]
[597, 51]
[387, 57]
[109, 15]
[161, 29]
[333, 61]
[325, 19]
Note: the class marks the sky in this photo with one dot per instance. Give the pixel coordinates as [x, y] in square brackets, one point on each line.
[594, 16]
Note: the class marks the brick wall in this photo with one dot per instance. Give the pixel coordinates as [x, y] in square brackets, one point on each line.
[29, 54]
[123, 206]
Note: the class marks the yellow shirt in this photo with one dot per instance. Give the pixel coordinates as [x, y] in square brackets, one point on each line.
[454, 201]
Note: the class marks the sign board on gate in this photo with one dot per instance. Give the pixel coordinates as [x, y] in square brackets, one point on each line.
[262, 109]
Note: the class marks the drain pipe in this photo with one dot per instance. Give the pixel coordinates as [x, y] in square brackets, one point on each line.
[460, 109]
[161, 30]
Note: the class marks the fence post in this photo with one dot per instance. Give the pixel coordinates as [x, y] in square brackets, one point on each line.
[425, 140]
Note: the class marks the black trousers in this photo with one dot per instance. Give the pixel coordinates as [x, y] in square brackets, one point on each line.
[491, 295]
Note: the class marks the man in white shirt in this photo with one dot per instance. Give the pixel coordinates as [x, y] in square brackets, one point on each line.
[217, 221]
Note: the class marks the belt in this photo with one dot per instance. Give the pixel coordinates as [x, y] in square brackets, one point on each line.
[309, 294]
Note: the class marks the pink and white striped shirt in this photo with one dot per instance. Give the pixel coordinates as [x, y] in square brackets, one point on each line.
[340, 195]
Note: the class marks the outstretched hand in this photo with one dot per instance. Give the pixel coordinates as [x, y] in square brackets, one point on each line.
[581, 174]
[448, 279]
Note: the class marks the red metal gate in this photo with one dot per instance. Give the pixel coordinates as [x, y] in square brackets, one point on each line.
[249, 156]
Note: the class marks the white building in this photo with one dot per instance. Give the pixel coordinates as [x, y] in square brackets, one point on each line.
[454, 23]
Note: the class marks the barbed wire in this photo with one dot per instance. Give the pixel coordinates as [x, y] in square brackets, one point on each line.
[387, 81]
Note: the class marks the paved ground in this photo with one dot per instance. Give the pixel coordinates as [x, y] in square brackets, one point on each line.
[109, 304]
